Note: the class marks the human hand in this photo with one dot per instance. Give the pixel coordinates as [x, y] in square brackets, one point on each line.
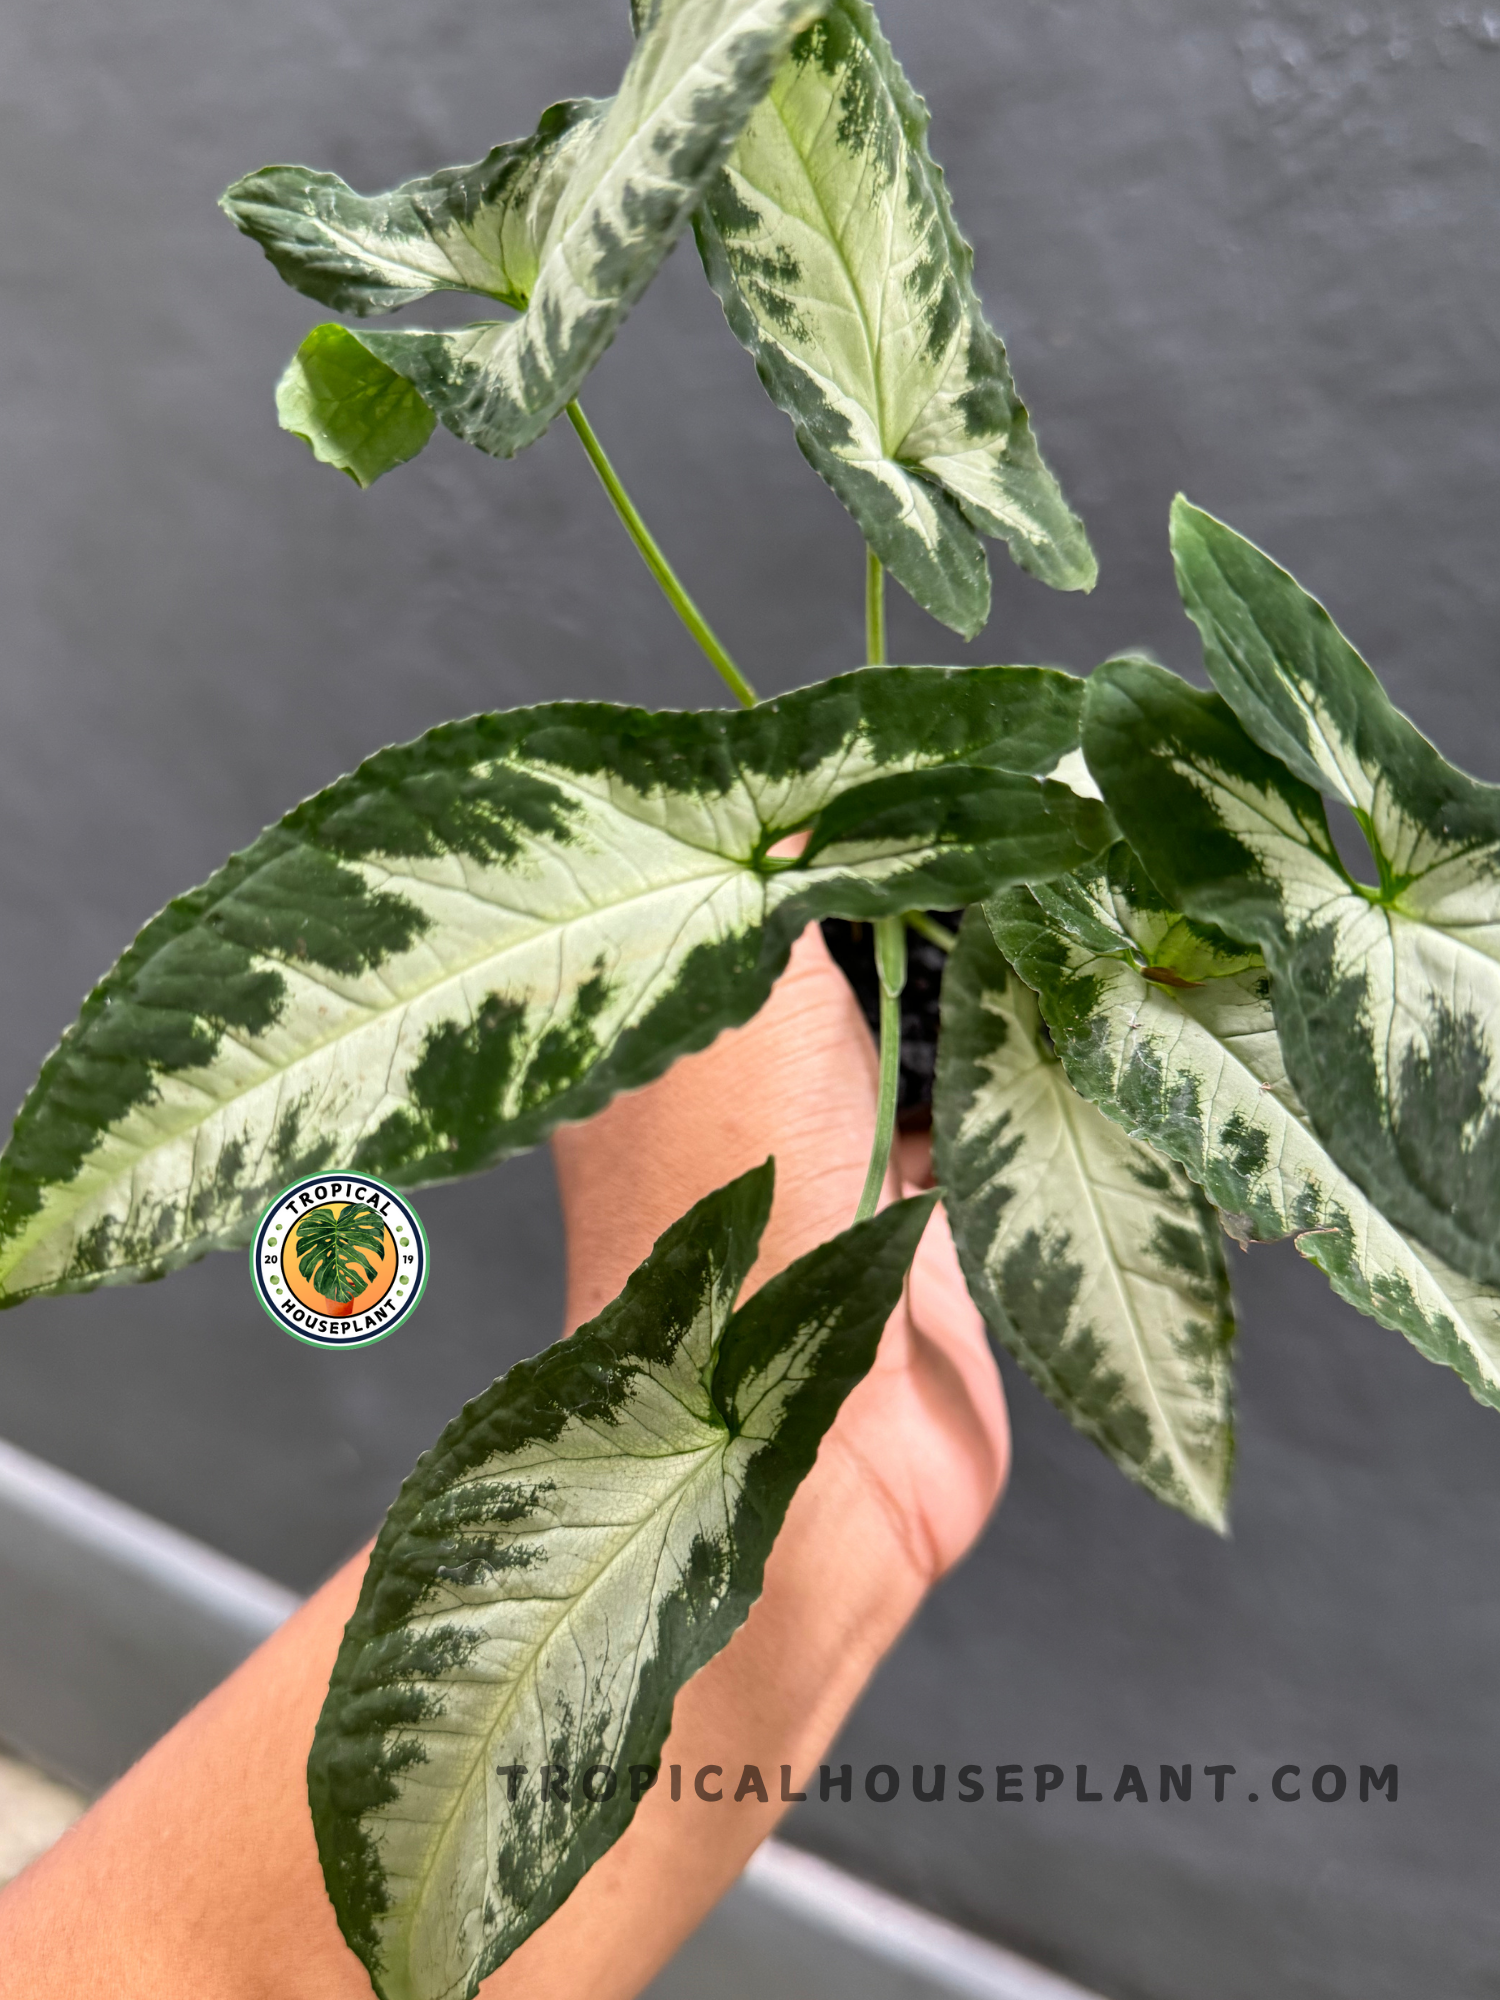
[197, 1875]
[924, 1438]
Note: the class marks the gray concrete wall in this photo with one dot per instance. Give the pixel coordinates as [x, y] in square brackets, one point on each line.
[1245, 249]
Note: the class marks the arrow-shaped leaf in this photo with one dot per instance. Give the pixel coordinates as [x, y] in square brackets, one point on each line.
[570, 225]
[1092, 1257]
[830, 240]
[466, 229]
[1195, 1068]
[494, 929]
[1387, 995]
[579, 1542]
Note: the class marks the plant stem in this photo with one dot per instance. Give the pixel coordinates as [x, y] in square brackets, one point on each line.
[890, 963]
[874, 610]
[657, 563]
[935, 933]
[890, 947]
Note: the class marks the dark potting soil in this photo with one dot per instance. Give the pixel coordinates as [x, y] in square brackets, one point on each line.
[852, 946]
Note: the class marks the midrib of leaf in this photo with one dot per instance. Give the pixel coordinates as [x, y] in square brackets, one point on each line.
[666, 109]
[1455, 932]
[1115, 1263]
[1289, 681]
[456, 975]
[1337, 768]
[1308, 712]
[453, 973]
[774, 1377]
[836, 240]
[1384, 895]
[403, 262]
[567, 1608]
[1350, 793]
[450, 973]
[1388, 1056]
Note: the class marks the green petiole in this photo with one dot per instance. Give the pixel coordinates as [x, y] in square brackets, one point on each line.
[890, 963]
[938, 934]
[874, 610]
[890, 946]
[656, 562]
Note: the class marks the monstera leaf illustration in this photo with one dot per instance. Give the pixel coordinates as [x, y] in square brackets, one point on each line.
[331, 1249]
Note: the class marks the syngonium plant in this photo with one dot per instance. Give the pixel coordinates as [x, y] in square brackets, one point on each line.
[1170, 1009]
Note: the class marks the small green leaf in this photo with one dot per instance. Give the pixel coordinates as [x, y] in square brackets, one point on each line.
[1196, 1070]
[831, 242]
[356, 413]
[1387, 997]
[480, 935]
[1092, 1257]
[579, 1542]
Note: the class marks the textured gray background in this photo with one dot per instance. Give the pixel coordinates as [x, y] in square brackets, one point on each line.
[1246, 249]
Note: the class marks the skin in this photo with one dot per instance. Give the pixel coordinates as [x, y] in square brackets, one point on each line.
[197, 1876]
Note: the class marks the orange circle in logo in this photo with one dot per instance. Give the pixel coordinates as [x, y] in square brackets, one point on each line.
[385, 1267]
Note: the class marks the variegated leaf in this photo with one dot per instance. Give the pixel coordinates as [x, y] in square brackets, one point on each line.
[1387, 995]
[571, 224]
[830, 240]
[466, 229]
[493, 929]
[579, 1542]
[1092, 1257]
[1170, 1030]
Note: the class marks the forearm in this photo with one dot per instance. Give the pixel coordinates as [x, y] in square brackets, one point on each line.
[198, 1874]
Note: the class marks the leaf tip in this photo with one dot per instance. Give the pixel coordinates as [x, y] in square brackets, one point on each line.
[1190, 529]
[1083, 573]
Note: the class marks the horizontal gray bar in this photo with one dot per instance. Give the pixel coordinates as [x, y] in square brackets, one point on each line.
[940, 1956]
[111, 1623]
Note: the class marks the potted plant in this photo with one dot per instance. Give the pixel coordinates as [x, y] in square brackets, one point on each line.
[1169, 1011]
